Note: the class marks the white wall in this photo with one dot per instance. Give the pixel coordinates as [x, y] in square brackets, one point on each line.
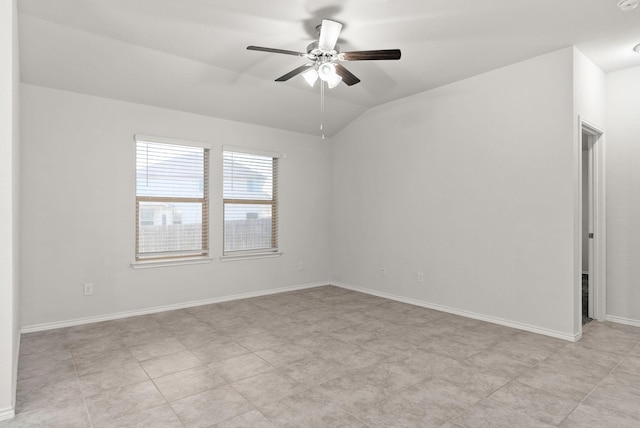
[589, 90]
[9, 168]
[623, 195]
[78, 222]
[472, 184]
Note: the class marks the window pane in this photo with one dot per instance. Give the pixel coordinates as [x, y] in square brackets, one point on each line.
[247, 227]
[167, 170]
[247, 176]
[250, 202]
[171, 192]
[170, 227]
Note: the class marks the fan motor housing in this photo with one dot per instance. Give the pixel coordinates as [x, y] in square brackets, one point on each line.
[314, 50]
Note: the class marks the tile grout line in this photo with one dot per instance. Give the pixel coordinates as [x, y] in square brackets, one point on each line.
[163, 396]
[515, 379]
[75, 370]
[593, 389]
[167, 402]
[117, 332]
[210, 389]
[247, 400]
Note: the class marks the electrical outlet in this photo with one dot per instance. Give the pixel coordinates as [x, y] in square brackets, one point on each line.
[300, 265]
[420, 277]
[88, 289]
[383, 271]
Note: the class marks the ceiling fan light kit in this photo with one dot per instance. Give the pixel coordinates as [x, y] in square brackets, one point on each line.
[326, 58]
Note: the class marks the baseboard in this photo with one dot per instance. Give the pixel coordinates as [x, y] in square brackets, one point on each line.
[7, 413]
[621, 320]
[191, 304]
[473, 315]
[16, 360]
[454, 311]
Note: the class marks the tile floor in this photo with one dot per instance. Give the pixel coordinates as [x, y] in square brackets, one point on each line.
[324, 357]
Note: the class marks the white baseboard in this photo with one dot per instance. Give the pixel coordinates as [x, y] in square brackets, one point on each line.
[7, 413]
[621, 320]
[454, 311]
[133, 313]
[473, 315]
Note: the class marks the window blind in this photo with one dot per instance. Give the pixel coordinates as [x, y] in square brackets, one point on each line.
[172, 188]
[250, 199]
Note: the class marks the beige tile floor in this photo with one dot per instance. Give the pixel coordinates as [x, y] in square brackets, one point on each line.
[324, 357]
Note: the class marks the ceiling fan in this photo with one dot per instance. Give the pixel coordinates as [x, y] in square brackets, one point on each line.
[326, 58]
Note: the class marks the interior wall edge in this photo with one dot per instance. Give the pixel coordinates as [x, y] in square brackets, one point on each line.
[9, 205]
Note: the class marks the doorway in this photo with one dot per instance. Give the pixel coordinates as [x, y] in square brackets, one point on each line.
[587, 216]
[593, 239]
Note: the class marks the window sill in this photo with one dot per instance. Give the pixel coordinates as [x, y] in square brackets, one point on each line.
[146, 264]
[250, 256]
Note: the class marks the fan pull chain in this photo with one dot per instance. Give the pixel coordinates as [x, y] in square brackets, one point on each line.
[322, 107]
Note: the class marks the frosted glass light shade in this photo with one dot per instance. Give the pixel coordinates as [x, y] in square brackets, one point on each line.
[334, 81]
[311, 75]
[326, 71]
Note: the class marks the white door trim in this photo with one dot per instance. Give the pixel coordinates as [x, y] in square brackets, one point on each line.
[597, 208]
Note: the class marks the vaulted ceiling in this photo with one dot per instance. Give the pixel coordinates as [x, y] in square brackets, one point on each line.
[191, 55]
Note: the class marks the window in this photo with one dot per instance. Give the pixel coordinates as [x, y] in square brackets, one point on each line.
[250, 198]
[146, 217]
[172, 199]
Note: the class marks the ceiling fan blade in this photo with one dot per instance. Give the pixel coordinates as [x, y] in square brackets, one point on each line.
[272, 50]
[371, 55]
[293, 73]
[347, 77]
[329, 33]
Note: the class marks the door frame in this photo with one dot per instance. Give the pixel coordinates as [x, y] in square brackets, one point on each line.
[597, 219]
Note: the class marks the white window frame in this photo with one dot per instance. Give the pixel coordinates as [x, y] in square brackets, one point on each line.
[274, 251]
[204, 257]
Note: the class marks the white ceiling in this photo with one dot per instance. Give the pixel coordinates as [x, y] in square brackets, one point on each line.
[191, 55]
